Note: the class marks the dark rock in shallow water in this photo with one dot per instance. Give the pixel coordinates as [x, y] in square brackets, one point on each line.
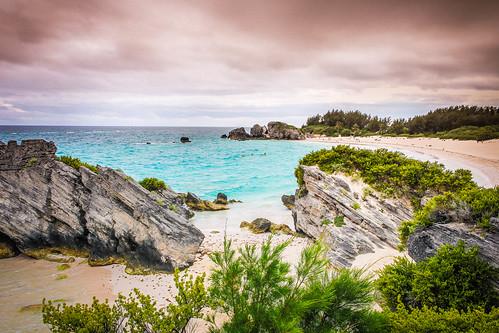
[46, 205]
[288, 200]
[239, 134]
[184, 139]
[194, 202]
[221, 199]
[223, 136]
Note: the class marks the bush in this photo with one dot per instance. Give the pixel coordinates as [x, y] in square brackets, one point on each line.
[259, 293]
[135, 313]
[76, 163]
[439, 321]
[153, 184]
[455, 278]
[391, 173]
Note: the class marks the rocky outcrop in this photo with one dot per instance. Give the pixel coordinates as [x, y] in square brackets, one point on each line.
[47, 205]
[424, 242]
[274, 130]
[288, 201]
[261, 225]
[221, 199]
[239, 134]
[196, 203]
[326, 207]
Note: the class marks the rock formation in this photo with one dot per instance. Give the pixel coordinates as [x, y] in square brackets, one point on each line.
[261, 225]
[274, 130]
[424, 242]
[326, 207]
[196, 203]
[46, 205]
[288, 200]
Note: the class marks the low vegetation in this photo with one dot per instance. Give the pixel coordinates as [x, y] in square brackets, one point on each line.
[455, 122]
[153, 184]
[391, 173]
[76, 163]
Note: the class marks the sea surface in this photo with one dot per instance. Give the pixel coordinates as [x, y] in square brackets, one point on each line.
[244, 170]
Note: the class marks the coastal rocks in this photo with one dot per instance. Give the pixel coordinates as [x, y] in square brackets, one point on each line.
[196, 203]
[184, 139]
[262, 225]
[47, 206]
[274, 130]
[282, 131]
[223, 136]
[173, 201]
[221, 199]
[288, 200]
[325, 207]
[7, 247]
[424, 242]
[239, 134]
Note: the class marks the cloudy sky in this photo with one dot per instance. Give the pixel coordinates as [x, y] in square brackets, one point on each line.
[229, 63]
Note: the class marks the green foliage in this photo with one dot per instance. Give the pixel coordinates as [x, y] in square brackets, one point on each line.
[258, 292]
[339, 220]
[63, 267]
[76, 163]
[153, 184]
[136, 313]
[455, 278]
[32, 162]
[474, 205]
[444, 321]
[326, 222]
[391, 173]
[173, 208]
[356, 205]
[455, 122]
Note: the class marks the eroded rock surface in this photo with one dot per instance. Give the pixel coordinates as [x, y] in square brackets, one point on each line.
[274, 130]
[326, 207]
[45, 203]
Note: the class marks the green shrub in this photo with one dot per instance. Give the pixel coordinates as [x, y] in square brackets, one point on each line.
[455, 278]
[440, 321]
[356, 205]
[258, 292]
[339, 221]
[76, 163]
[391, 173]
[63, 267]
[135, 313]
[153, 184]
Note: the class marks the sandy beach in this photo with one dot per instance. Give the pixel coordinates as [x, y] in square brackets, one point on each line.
[24, 282]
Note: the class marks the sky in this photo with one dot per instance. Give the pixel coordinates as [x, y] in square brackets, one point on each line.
[236, 63]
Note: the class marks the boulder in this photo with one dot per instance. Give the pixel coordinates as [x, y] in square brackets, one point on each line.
[223, 136]
[324, 208]
[194, 202]
[221, 199]
[288, 200]
[239, 134]
[48, 207]
[184, 139]
[282, 131]
[262, 225]
[258, 131]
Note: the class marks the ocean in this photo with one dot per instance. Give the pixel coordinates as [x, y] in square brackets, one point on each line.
[244, 170]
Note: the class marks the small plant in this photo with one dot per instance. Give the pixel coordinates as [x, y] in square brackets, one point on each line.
[173, 208]
[61, 277]
[63, 267]
[326, 222]
[153, 184]
[356, 205]
[366, 192]
[160, 202]
[76, 163]
[32, 162]
[339, 221]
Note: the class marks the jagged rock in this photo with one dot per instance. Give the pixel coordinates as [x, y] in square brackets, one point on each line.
[184, 139]
[194, 202]
[282, 131]
[47, 205]
[173, 201]
[424, 242]
[262, 225]
[258, 131]
[239, 134]
[288, 200]
[325, 208]
[221, 199]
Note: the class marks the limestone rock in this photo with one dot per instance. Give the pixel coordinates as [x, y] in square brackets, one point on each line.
[46, 204]
[258, 131]
[194, 202]
[239, 134]
[288, 200]
[221, 199]
[325, 207]
[424, 242]
[262, 225]
[283, 131]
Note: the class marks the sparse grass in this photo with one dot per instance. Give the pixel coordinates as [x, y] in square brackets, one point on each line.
[326, 222]
[173, 208]
[32, 162]
[63, 267]
[76, 163]
[339, 221]
[160, 202]
[366, 192]
[356, 205]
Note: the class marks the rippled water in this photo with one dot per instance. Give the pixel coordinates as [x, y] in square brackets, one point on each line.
[208, 165]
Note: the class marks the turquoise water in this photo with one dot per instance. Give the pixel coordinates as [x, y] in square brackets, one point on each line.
[242, 169]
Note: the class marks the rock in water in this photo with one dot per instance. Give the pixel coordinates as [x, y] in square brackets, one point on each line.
[258, 131]
[221, 199]
[184, 139]
[288, 200]
[223, 136]
[325, 208]
[239, 134]
[46, 204]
